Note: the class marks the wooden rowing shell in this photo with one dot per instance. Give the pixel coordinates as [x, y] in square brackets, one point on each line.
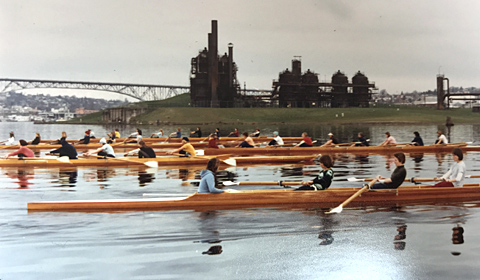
[284, 198]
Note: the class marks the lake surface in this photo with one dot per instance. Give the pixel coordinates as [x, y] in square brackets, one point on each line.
[414, 242]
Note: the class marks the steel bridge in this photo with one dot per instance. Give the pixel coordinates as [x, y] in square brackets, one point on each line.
[140, 92]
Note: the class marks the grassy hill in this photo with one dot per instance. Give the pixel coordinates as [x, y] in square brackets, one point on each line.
[176, 111]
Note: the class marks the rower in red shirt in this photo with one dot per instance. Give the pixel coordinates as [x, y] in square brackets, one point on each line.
[306, 141]
[23, 151]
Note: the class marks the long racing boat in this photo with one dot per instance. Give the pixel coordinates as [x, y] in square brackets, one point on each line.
[283, 198]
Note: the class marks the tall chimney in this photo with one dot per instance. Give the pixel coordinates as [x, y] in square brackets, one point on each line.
[213, 63]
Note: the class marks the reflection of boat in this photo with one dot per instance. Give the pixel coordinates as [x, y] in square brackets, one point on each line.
[163, 160]
[284, 198]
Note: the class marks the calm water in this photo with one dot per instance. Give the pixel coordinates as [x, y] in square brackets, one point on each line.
[415, 242]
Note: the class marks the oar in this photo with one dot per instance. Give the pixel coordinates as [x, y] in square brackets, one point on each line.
[279, 183]
[152, 163]
[62, 159]
[339, 208]
[413, 180]
[346, 144]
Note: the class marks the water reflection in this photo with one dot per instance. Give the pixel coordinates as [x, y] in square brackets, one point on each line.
[401, 235]
[22, 175]
[67, 177]
[208, 226]
[146, 176]
[457, 235]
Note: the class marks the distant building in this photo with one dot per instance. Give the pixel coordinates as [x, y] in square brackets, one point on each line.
[213, 81]
[294, 89]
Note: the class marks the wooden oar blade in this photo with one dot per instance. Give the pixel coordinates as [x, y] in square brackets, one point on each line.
[230, 161]
[335, 210]
[230, 183]
[151, 164]
[353, 179]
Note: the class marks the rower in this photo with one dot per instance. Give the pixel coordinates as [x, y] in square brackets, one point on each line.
[106, 150]
[456, 174]
[277, 140]
[389, 141]
[143, 152]
[186, 149]
[65, 150]
[85, 139]
[158, 134]
[212, 141]
[361, 142]
[36, 140]
[323, 179]
[22, 151]
[137, 135]
[247, 141]
[196, 133]
[306, 141]
[397, 177]
[63, 138]
[256, 133]
[441, 138]
[332, 141]
[10, 140]
[417, 141]
[234, 133]
[208, 183]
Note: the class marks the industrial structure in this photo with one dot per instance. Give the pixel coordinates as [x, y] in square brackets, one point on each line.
[213, 81]
[294, 89]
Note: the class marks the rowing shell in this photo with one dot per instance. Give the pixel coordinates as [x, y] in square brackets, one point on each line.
[164, 160]
[328, 150]
[284, 198]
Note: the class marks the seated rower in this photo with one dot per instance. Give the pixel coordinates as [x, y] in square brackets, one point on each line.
[63, 138]
[143, 152]
[306, 141]
[361, 142]
[247, 142]
[85, 139]
[159, 134]
[389, 141]
[441, 138]
[10, 140]
[22, 151]
[256, 133]
[332, 141]
[208, 183]
[196, 133]
[186, 149]
[397, 177]
[323, 179]
[456, 174]
[36, 140]
[234, 133]
[277, 140]
[106, 150]
[137, 135]
[417, 141]
[212, 141]
[65, 150]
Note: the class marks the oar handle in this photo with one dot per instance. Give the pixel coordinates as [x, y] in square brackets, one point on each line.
[355, 195]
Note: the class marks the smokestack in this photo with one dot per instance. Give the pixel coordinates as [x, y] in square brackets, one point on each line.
[213, 63]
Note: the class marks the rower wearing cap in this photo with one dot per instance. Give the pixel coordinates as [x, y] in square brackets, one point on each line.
[186, 149]
[332, 141]
[106, 150]
[277, 140]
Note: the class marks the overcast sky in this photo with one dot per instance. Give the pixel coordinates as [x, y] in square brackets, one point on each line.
[399, 45]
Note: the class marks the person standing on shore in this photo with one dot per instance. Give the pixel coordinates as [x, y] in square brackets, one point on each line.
[389, 141]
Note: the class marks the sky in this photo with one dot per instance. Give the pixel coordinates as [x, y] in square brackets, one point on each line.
[400, 45]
